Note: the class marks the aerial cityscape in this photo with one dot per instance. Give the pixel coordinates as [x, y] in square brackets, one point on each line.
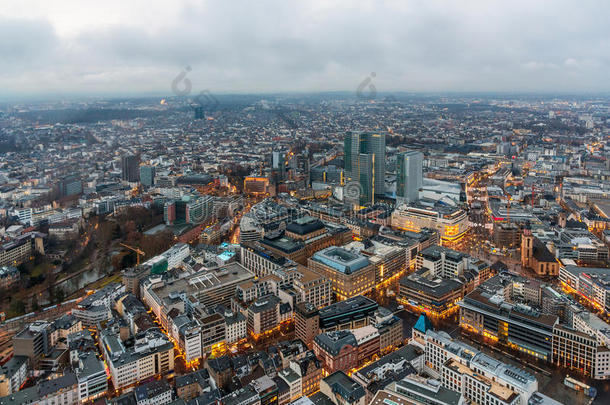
[359, 238]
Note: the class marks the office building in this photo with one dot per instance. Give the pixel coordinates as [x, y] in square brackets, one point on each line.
[582, 344]
[443, 262]
[70, 185]
[263, 315]
[499, 312]
[409, 177]
[91, 377]
[150, 354]
[33, 342]
[213, 331]
[351, 313]
[350, 273]
[175, 255]
[364, 156]
[313, 288]
[260, 260]
[96, 307]
[421, 390]
[130, 168]
[480, 378]
[306, 322]
[207, 288]
[236, 326]
[593, 284]
[147, 175]
[450, 222]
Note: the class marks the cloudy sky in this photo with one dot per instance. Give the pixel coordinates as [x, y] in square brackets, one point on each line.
[134, 47]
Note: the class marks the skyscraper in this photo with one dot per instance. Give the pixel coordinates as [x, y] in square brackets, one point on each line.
[70, 185]
[129, 166]
[364, 155]
[408, 176]
[147, 175]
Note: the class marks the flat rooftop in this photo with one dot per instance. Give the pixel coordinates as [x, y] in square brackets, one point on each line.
[341, 259]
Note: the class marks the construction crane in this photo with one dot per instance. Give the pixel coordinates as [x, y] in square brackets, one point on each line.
[534, 190]
[138, 251]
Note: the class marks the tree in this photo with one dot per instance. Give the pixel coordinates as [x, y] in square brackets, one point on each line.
[59, 295]
[17, 307]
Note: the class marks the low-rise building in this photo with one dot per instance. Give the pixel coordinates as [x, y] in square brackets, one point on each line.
[154, 393]
[337, 350]
[62, 390]
[9, 275]
[342, 389]
[309, 368]
[192, 385]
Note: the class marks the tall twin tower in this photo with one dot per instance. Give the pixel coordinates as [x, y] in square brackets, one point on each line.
[365, 170]
[364, 155]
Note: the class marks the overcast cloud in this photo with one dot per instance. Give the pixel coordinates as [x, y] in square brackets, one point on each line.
[139, 47]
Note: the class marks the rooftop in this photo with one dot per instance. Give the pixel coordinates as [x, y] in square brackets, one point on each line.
[341, 259]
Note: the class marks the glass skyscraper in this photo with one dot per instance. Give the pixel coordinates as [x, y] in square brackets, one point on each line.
[364, 156]
[408, 176]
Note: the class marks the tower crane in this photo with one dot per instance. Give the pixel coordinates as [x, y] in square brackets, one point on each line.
[138, 251]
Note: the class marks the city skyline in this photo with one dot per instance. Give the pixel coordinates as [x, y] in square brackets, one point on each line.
[304, 203]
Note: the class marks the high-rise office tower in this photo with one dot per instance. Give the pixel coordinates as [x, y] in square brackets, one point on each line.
[408, 176]
[147, 175]
[199, 113]
[278, 163]
[364, 155]
[129, 166]
[70, 185]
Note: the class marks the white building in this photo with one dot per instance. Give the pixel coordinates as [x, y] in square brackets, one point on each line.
[236, 326]
[151, 354]
[294, 382]
[477, 376]
[176, 254]
[12, 374]
[91, 377]
[96, 307]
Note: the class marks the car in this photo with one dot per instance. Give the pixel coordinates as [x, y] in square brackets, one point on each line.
[401, 307]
